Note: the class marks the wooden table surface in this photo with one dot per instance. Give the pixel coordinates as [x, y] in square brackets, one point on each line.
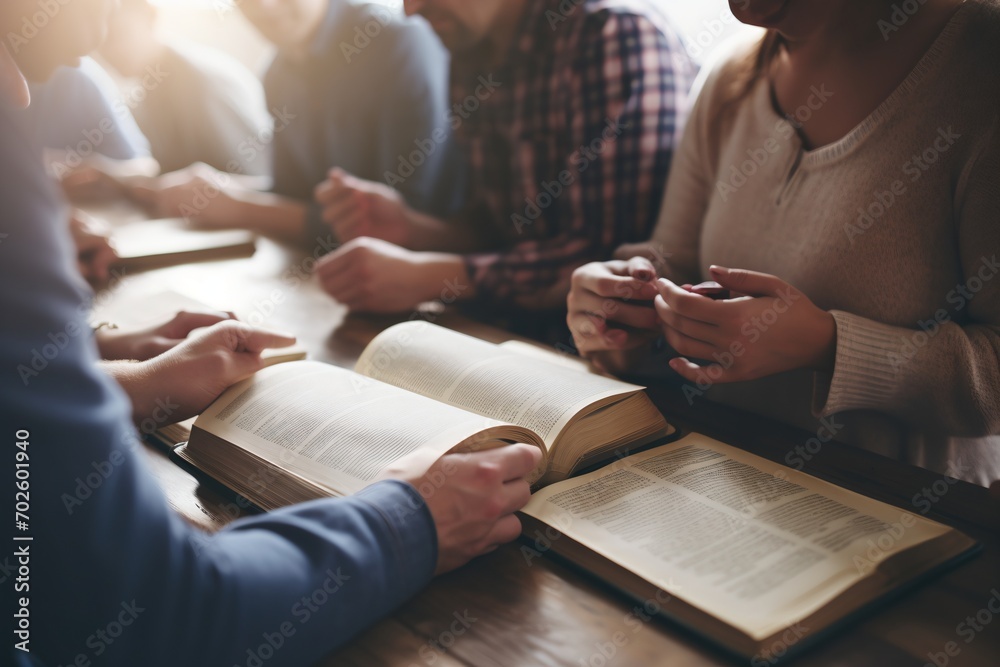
[547, 612]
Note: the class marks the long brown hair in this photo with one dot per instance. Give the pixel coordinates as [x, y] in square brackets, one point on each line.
[753, 67]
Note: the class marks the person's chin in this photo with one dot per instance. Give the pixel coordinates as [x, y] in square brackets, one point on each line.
[768, 16]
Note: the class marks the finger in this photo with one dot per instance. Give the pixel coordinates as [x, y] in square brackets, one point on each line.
[339, 209]
[695, 373]
[604, 282]
[516, 495]
[322, 192]
[630, 250]
[513, 461]
[349, 225]
[348, 293]
[708, 333]
[503, 531]
[614, 310]
[752, 283]
[688, 346]
[641, 268]
[249, 339]
[335, 189]
[690, 305]
[339, 263]
[589, 328]
[632, 315]
[102, 262]
[185, 322]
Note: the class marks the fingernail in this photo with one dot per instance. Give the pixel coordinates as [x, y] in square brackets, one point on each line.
[617, 336]
[718, 270]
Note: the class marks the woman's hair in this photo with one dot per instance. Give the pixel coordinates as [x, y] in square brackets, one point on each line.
[755, 65]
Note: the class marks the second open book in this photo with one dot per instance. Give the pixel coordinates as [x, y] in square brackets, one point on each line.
[746, 550]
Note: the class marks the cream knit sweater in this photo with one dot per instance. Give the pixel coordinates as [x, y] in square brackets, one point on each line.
[895, 229]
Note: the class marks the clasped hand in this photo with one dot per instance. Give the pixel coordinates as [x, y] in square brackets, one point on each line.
[765, 327]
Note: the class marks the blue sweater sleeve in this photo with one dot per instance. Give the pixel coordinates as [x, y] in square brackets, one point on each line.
[115, 575]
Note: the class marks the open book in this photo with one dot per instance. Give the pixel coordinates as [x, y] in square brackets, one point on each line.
[314, 430]
[755, 556]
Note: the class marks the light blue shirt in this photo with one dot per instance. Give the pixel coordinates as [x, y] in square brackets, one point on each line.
[80, 110]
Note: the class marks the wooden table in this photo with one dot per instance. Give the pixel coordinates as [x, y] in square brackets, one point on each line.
[548, 613]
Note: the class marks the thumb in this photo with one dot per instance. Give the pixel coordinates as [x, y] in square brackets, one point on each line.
[751, 283]
[258, 340]
[241, 337]
[641, 269]
[338, 177]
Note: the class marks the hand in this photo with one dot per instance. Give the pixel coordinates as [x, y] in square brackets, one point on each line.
[143, 344]
[99, 177]
[610, 313]
[89, 183]
[374, 276]
[472, 498]
[196, 193]
[94, 252]
[354, 207]
[183, 381]
[775, 328]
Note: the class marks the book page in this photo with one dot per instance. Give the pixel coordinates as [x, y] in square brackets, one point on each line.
[484, 378]
[332, 426]
[749, 541]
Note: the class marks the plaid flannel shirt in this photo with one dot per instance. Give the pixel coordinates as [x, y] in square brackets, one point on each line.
[568, 141]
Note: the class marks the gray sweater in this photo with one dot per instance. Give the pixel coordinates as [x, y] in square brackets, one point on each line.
[895, 229]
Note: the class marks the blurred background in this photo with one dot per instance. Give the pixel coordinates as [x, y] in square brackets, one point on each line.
[705, 24]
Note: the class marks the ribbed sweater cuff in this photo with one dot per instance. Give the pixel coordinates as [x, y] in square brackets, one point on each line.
[864, 375]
